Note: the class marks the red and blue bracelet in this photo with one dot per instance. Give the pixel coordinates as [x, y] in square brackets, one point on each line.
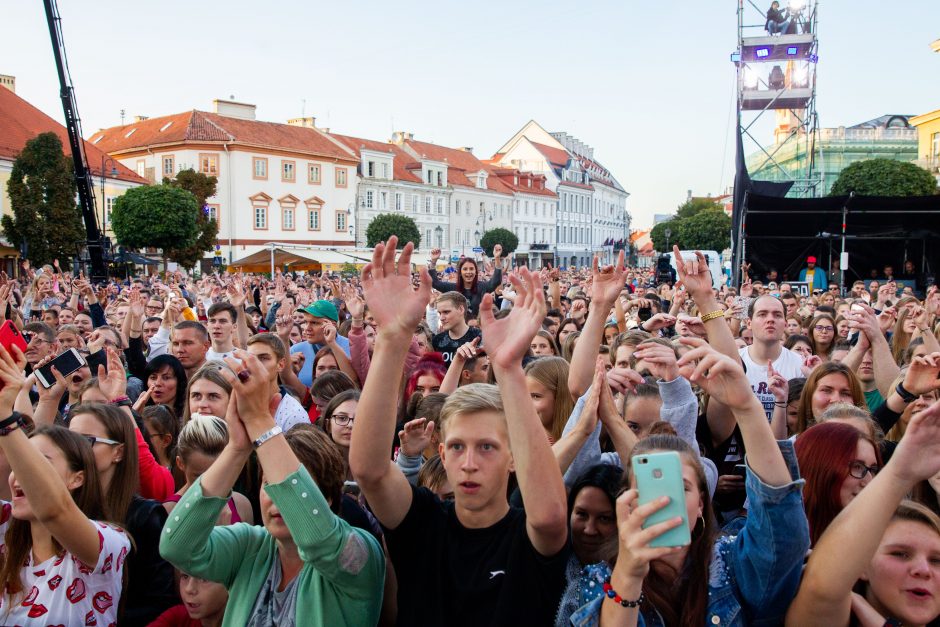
[612, 594]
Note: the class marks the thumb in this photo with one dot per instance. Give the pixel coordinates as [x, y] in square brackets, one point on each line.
[429, 429]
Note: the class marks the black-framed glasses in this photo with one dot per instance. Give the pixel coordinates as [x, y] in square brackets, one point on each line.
[342, 419]
[824, 329]
[92, 439]
[858, 469]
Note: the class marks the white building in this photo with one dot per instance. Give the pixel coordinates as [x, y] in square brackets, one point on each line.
[479, 201]
[288, 183]
[534, 209]
[592, 217]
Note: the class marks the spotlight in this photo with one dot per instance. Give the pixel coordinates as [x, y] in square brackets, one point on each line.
[750, 78]
[797, 5]
[800, 76]
[792, 51]
[776, 78]
[762, 53]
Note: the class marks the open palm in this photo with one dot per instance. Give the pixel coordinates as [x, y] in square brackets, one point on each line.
[507, 340]
[393, 302]
[607, 283]
[693, 273]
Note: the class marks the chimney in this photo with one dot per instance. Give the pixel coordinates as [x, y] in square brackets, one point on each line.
[689, 195]
[307, 122]
[400, 137]
[467, 149]
[141, 118]
[8, 81]
[232, 109]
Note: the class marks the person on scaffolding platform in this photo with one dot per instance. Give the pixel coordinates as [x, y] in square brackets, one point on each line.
[778, 22]
[813, 275]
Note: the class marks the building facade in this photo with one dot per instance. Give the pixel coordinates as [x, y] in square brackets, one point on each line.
[592, 216]
[885, 137]
[928, 141]
[287, 183]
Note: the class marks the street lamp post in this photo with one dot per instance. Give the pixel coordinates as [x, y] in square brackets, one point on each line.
[668, 233]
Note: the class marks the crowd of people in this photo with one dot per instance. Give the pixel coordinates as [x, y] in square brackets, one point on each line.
[400, 449]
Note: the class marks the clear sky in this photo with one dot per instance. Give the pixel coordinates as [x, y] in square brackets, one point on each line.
[648, 84]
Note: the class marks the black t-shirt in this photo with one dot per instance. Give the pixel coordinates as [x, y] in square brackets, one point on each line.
[447, 346]
[450, 575]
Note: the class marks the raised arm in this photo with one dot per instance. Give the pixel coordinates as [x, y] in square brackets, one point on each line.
[825, 594]
[342, 360]
[886, 369]
[540, 482]
[464, 352]
[606, 285]
[49, 498]
[397, 308]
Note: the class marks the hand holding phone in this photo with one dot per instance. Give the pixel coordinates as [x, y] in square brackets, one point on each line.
[658, 475]
[66, 363]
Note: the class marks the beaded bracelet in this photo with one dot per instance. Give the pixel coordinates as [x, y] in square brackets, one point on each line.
[612, 594]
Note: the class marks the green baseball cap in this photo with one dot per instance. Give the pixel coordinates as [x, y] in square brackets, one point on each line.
[321, 309]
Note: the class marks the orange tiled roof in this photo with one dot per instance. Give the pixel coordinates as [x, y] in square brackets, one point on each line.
[400, 162]
[556, 156]
[460, 163]
[200, 127]
[21, 121]
[507, 177]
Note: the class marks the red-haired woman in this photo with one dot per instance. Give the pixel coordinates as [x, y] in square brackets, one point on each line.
[426, 377]
[468, 278]
[837, 461]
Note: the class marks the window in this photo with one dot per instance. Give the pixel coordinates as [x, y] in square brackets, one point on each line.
[457, 208]
[169, 166]
[384, 170]
[429, 175]
[109, 207]
[427, 204]
[383, 200]
[261, 217]
[209, 164]
[260, 168]
[935, 145]
[287, 217]
[313, 218]
[525, 237]
[414, 202]
[213, 213]
[287, 171]
[313, 173]
[440, 179]
[397, 201]
[370, 169]
[440, 205]
[527, 207]
[341, 177]
[141, 167]
[340, 221]
[369, 195]
[427, 235]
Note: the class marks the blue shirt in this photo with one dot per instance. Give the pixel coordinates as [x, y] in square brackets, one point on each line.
[310, 351]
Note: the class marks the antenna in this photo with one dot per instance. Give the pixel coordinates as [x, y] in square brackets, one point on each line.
[122, 117]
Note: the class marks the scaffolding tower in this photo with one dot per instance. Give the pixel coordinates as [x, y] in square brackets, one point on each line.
[776, 74]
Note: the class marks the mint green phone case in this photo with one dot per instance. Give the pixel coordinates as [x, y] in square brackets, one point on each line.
[660, 474]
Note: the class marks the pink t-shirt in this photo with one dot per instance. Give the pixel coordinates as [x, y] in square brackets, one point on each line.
[63, 590]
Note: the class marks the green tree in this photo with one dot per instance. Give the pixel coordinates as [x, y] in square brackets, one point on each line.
[349, 270]
[709, 229]
[201, 187]
[884, 177]
[42, 196]
[693, 206]
[385, 225]
[502, 236]
[658, 234]
[156, 215]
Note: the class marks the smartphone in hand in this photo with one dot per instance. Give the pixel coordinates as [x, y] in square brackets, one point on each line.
[66, 363]
[657, 475]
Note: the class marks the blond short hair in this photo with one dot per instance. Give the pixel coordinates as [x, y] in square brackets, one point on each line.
[469, 399]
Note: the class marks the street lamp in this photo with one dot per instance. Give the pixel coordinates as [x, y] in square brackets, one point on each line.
[440, 240]
[105, 160]
[668, 233]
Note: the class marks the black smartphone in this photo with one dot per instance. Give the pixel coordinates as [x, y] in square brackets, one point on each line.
[66, 363]
[645, 313]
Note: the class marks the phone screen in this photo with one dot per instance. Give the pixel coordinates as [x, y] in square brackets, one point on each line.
[66, 363]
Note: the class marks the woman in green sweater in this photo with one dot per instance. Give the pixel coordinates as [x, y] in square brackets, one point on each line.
[306, 566]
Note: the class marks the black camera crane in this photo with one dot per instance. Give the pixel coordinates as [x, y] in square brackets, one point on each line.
[96, 243]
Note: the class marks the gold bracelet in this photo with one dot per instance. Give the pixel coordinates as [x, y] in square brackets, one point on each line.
[718, 313]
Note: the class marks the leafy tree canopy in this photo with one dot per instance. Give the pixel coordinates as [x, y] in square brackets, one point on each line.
[163, 216]
[699, 224]
[385, 225]
[201, 187]
[884, 177]
[505, 237]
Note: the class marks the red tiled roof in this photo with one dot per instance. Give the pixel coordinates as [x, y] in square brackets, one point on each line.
[200, 126]
[460, 163]
[21, 121]
[507, 177]
[555, 156]
[401, 162]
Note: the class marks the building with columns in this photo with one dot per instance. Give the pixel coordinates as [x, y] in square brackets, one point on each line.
[592, 216]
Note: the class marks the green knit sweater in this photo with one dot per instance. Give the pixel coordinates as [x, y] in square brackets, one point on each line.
[342, 578]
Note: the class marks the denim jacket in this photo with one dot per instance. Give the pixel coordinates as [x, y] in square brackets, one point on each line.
[754, 575]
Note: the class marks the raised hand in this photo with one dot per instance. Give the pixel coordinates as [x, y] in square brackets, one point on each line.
[236, 292]
[395, 304]
[777, 383]
[253, 399]
[467, 350]
[659, 321]
[136, 303]
[716, 373]
[435, 254]
[507, 340]
[661, 360]
[623, 380]
[918, 454]
[607, 282]
[809, 364]
[635, 555]
[416, 436]
[693, 323]
[354, 304]
[112, 382]
[12, 377]
[329, 333]
[693, 274]
[497, 251]
[921, 376]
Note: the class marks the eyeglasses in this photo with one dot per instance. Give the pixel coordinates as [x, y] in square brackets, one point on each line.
[96, 440]
[858, 469]
[824, 329]
[342, 419]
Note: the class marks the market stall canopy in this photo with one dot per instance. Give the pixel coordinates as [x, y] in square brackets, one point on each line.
[261, 261]
[126, 256]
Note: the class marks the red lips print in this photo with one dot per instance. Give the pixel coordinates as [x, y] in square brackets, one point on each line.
[102, 601]
[54, 582]
[76, 591]
[37, 610]
[90, 619]
[31, 597]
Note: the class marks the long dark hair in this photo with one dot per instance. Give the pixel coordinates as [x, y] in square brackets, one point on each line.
[476, 276]
[160, 362]
[87, 496]
[681, 598]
